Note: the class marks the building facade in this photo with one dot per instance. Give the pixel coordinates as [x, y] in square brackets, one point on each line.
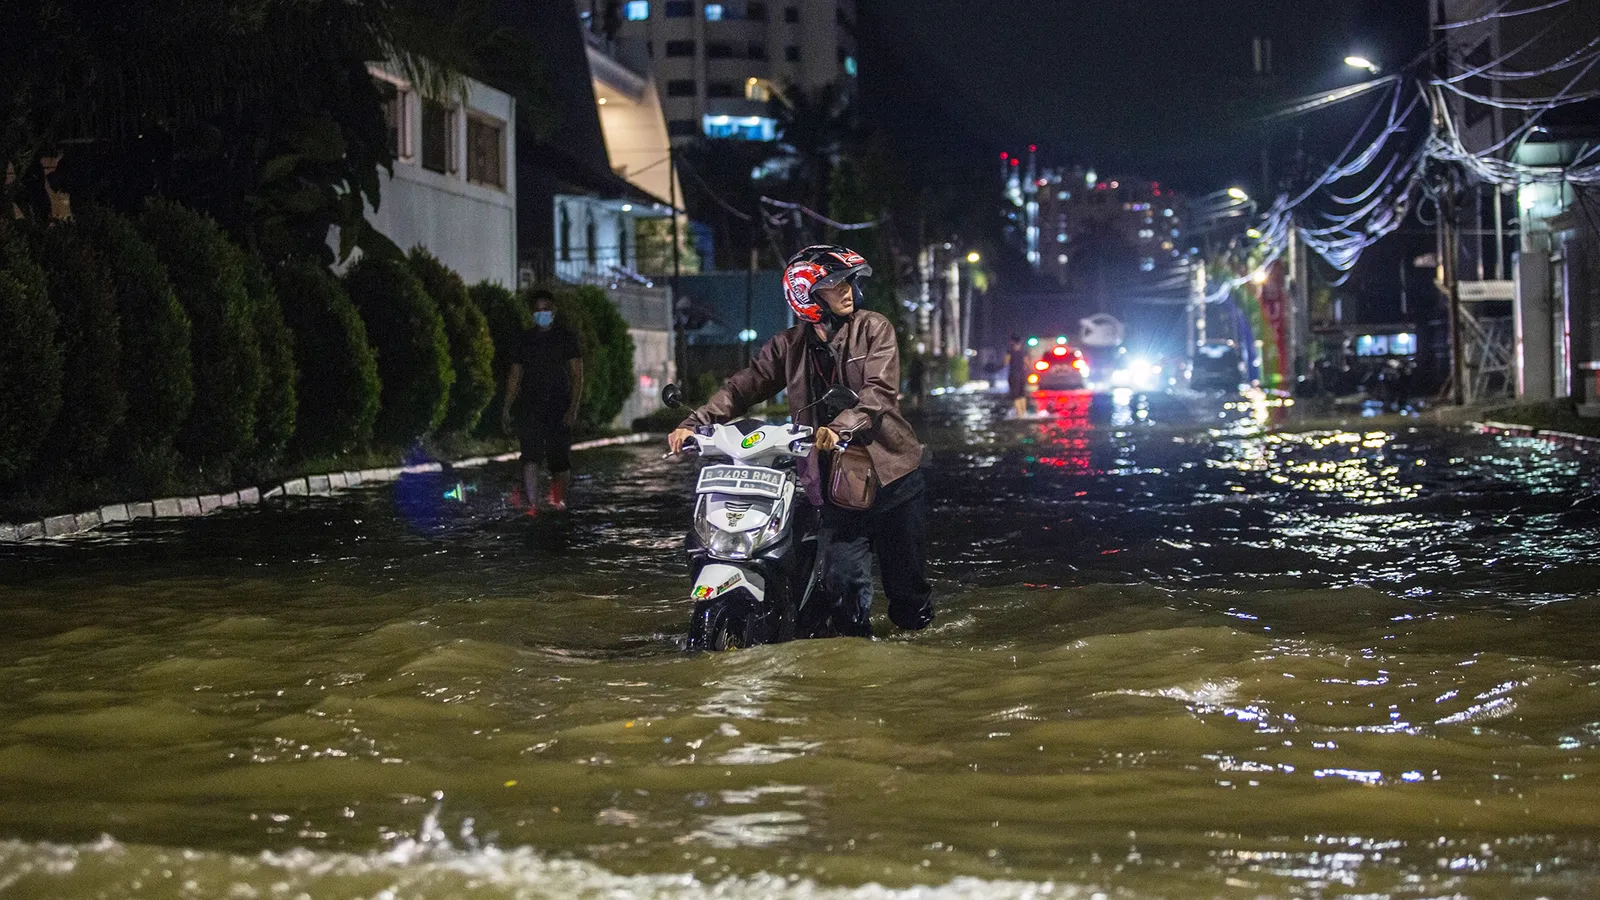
[1523, 241]
[454, 186]
[719, 65]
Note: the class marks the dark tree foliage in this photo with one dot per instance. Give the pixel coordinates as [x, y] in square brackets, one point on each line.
[30, 358]
[156, 369]
[408, 334]
[207, 274]
[92, 399]
[338, 388]
[260, 113]
[508, 316]
[277, 407]
[471, 347]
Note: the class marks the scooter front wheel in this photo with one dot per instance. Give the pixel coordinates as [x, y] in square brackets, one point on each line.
[715, 627]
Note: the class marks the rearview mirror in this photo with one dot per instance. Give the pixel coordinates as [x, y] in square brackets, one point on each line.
[671, 397]
[840, 397]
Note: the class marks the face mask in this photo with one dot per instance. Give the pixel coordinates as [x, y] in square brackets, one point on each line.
[544, 318]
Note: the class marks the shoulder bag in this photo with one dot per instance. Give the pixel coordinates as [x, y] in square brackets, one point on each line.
[854, 484]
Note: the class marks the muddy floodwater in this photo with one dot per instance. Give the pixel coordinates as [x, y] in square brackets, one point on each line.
[1177, 655]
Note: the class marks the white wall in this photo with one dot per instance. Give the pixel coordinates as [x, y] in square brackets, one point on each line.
[472, 228]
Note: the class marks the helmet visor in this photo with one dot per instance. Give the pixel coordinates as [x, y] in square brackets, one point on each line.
[834, 278]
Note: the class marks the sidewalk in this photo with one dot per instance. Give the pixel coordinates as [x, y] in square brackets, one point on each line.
[70, 524]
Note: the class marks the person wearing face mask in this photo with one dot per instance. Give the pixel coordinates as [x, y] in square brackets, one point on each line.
[546, 376]
[837, 343]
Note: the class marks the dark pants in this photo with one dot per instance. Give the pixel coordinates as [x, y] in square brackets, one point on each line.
[547, 441]
[896, 531]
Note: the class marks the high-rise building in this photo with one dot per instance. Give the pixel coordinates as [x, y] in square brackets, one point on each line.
[719, 65]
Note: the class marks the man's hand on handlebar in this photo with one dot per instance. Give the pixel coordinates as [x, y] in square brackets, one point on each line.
[827, 439]
[677, 437]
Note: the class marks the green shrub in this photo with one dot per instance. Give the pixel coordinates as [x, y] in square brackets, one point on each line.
[471, 348]
[30, 358]
[408, 334]
[508, 316]
[156, 368]
[338, 388]
[607, 353]
[92, 401]
[277, 406]
[207, 275]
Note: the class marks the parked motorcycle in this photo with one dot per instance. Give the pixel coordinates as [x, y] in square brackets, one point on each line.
[753, 545]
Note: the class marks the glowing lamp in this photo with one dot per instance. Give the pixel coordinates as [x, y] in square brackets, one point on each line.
[1041, 366]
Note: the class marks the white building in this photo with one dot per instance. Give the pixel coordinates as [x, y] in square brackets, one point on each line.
[717, 63]
[454, 189]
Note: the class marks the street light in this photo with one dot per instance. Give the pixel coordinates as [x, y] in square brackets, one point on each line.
[1238, 194]
[1361, 62]
[974, 257]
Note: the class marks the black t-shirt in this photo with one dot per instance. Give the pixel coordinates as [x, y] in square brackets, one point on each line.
[545, 355]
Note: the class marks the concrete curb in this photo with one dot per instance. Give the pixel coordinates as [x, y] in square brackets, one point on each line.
[1562, 438]
[70, 524]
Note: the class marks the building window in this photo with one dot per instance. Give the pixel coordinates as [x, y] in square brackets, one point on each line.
[486, 151]
[721, 89]
[791, 14]
[749, 128]
[719, 51]
[714, 12]
[792, 53]
[680, 48]
[680, 9]
[680, 87]
[850, 65]
[438, 136]
[637, 10]
[756, 51]
[755, 11]
[682, 128]
[397, 119]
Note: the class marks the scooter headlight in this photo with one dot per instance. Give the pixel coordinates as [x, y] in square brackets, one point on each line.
[732, 544]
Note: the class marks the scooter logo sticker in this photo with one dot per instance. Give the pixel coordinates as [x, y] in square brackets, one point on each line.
[752, 440]
[706, 591]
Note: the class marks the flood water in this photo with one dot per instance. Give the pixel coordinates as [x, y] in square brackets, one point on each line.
[1177, 655]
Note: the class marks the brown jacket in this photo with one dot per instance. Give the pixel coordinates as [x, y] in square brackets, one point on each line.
[869, 361]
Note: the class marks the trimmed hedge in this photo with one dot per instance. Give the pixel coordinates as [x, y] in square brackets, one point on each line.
[408, 333]
[30, 358]
[277, 406]
[338, 390]
[155, 336]
[471, 348]
[92, 400]
[508, 316]
[208, 278]
[607, 353]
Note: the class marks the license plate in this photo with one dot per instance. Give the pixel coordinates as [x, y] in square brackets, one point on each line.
[741, 480]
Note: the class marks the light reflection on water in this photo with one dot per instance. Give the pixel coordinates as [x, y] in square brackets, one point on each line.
[1171, 660]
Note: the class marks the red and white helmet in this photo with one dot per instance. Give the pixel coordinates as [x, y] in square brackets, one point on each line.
[819, 266]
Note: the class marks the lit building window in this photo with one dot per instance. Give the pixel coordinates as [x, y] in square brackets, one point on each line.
[850, 65]
[1167, 213]
[637, 10]
[1061, 238]
[1149, 265]
[714, 12]
[749, 128]
[1063, 195]
[1062, 259]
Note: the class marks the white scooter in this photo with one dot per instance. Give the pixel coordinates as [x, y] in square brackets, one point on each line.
[753, 548]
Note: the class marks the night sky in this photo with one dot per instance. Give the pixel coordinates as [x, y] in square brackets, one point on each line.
[1157, 88]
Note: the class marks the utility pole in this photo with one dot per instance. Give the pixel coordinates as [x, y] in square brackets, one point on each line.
[749, 301]
[679, 326]
[1452, 284]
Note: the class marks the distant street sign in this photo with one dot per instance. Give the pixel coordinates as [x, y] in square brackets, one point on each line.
[1482, 291]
